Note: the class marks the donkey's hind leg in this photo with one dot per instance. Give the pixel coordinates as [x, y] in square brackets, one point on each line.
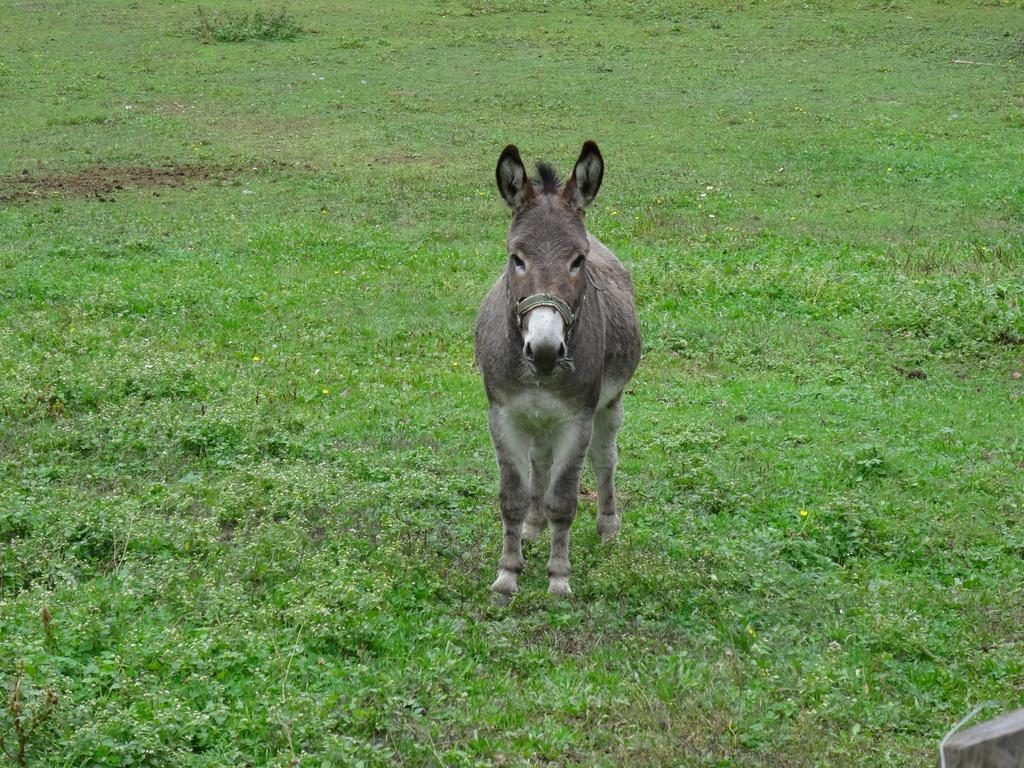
[540, 478]
[604, 455]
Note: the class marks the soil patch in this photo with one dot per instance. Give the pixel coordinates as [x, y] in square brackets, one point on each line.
[100, 181]
[911, 373]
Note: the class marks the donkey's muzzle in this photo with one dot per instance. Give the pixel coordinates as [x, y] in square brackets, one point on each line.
[544, 355]
[544, 338]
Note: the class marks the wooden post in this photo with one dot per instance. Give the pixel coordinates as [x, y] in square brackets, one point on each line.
[997, 743]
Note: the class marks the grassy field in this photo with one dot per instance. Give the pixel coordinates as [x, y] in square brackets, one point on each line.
[248, 507]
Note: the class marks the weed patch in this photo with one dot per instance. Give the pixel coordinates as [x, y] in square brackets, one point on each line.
[26, 711]
[244, 27]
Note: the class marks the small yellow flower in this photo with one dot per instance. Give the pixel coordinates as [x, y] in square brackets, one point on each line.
[803, 513]
[751, 632]
[255, 358]
[324, 391]
[337, 271]
[889, 169]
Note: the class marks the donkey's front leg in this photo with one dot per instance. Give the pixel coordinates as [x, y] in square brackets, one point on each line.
[512, 448]
[562, 498]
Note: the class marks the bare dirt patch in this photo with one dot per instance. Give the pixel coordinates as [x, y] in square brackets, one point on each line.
[911, 373]
[101, 181]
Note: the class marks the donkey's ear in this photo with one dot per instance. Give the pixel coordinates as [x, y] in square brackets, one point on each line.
[581, 189]
[513, 183]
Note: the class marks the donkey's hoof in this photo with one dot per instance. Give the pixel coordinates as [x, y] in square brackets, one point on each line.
[501, 600]
[608, 528]
[506, 584]
[559, 586]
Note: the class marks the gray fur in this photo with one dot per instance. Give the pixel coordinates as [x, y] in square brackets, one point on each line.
[543, 425]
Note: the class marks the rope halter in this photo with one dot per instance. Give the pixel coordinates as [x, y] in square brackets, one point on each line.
[545, 300]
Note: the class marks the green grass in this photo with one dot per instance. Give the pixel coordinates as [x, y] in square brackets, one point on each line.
[244, 461]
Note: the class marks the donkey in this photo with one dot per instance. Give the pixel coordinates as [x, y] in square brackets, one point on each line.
[557, 339]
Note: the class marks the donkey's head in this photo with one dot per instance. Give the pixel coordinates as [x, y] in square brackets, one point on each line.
[547, 249]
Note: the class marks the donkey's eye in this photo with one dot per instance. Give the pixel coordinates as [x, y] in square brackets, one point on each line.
[518, 263]
[576, 264]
